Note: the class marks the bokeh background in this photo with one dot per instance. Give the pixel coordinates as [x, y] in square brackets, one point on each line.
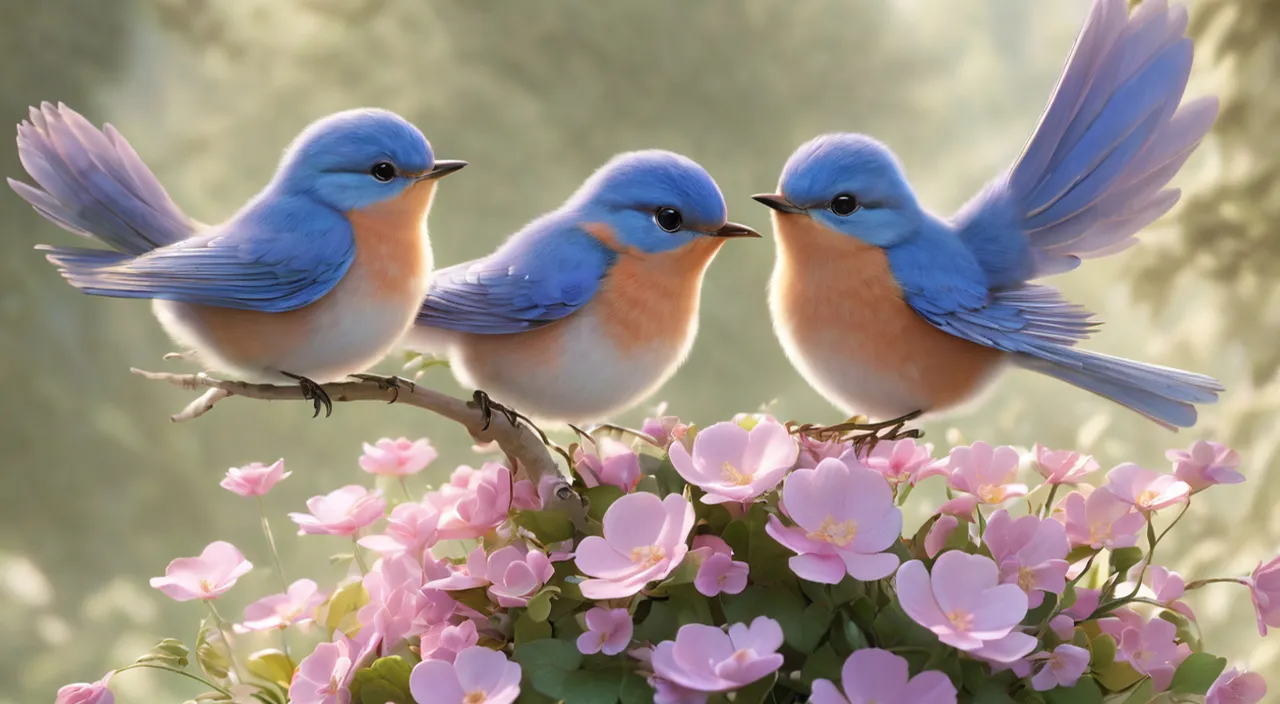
[98, 490]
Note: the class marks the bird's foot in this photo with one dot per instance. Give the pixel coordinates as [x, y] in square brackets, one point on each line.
[487, 407]
[314, 393]
[861, 433]
[387, 383]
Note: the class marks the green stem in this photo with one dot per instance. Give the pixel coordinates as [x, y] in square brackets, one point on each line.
[906, 491]
[271, 543]
[404, 486]
[1152, 541]
[982, 522]
[1215, 580]
[355, 550]
[176, 671]
[1048, 502]
[226, 639]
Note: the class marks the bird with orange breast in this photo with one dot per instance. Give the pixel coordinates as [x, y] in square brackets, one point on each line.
[316, 278]
[889, 310]
[588, 309]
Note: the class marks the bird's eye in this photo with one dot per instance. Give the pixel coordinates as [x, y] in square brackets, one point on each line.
[384, 171]
[668, 219]
[844, 204]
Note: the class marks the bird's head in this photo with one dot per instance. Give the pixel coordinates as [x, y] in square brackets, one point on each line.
[357, 158]
[851, 184]
[656, 201]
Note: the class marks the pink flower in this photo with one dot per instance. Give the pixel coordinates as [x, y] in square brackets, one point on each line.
[960, 508]
[1231, 687]
[280, 610]
[444, 641]
[205, 577]
[705, 659]
[397, 458]
[1264, 589]
[324, 676]
[874, 675]
[964, 604]
[608, 631]
[664, 429]
[1204, 464]
[516, 575]
[1086, 603]
[721, 573]
[845, 519]
[614, 463]
[1144, 489]
[400, 605]
[731, 463]
[644, 540]
[813, 450]
[1167, 587]
[1063, 466]
[1151, 648]
[474, 502]
[476, 676]
[524, 496]
[665, 692]
[1063, 626]
[899, 460]
[340, 512]
[938, 534]
[1061, 668]
[986, 472]
[1101, 521]
[1031, 553]
[81, 693]
[254, 479]
[410, 528]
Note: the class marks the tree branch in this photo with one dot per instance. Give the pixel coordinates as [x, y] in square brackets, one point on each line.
[519, 442]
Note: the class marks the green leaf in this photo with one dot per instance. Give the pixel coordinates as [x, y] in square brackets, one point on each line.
[635, 690]
[533, 696]
[1141, 694]
[527, 629]
[386, 681]
[756, 692]
[211, 653]
[339, 612]
[659, 624]
[847, 637]
[824, 663]
[893, 627]
[766, 557]
[1117, 676]
[992, 692]
[669, 480]
[738, 535]
[1079, 553]
[783, 606]
[169, 651]
[546, 663]
[846, 591]
[813, 624]
[539, 608]
[1102, 652]
[593, 686]
[272, 666]
[1085, 691]
[475, 597]
[547, 526]
[863, 609]
[1196, 673]
[689, 605]
[1185, 633]
[1039, 614]
[685, 572]
[1125, 558]
[601, 498]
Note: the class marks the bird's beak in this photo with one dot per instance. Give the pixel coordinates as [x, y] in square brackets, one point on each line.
[778, 203]
[443, 167]
[733, 229]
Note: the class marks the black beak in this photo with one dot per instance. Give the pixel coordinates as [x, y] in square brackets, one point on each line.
[778, 203]
[733, 229]
[443, 167]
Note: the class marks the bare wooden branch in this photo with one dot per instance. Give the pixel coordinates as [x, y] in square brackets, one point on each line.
[520, 443]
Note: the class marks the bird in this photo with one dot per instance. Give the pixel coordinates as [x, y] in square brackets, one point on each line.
[588, 309]
[315, 278]
[890, 311]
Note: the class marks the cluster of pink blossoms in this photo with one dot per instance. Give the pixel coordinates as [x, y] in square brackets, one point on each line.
[739, 557]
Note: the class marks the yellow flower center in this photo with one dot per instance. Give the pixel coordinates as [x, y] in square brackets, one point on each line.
[1099, 532]
[648, 555]
[960, 620]
[1146, 498]
[734, 476]
[991, 494]
[476, 697]
[206, 586]
[837, 534]
[1026, 579]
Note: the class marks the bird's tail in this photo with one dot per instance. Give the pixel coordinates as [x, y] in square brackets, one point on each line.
[1165, 395]
[91, 182]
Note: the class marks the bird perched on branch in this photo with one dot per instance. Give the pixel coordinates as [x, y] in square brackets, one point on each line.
[888, 309]
[314, 279]
[591, 307]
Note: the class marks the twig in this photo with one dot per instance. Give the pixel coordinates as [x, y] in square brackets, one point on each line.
[516, 440]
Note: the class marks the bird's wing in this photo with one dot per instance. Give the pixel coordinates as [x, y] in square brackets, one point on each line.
[240, 265]
[1094, 172]
[520, 287]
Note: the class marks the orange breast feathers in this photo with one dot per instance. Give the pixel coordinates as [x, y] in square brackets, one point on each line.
[839, 298]
[392, 261]
[650, 299]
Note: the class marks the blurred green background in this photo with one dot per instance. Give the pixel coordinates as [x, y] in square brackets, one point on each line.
[98, 490]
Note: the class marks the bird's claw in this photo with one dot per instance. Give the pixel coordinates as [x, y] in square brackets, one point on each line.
[863, 435]
[387, 383]
[487, 406]
[314, 393]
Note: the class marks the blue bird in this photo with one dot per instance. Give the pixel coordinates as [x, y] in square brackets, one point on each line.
[889, 310]
[590, 308]
[314, 279]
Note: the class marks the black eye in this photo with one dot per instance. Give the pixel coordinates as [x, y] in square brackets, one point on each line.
[844, 204]
[383, 171]
[668, 219]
